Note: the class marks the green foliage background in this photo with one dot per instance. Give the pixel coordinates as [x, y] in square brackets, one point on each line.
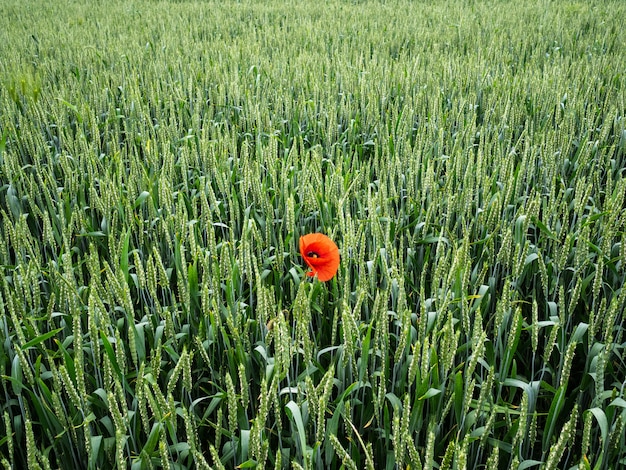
[159, 161]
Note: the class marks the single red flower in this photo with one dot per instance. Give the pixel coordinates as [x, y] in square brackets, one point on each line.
[321, 255]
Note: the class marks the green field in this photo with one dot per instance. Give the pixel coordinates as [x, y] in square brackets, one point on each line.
[159, 162]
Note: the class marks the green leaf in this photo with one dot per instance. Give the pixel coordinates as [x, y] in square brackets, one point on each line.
[458, 396]
[94, 234]
[3, 144]
[13, 201]
[396, 403]
[244, 443]
[530, 258]
[141, 198]
[124, 255]
[365, 348]
[331, 428]
[153, 439]
[17, 379]
[293, 412]
[618, 402]
[96, 444]
[111, 354]
[248, 464]
[72, 107]
[579, 332]
[555, 410]
[529, 464]
[432, 239]
[431, 392]
[192, 277]
[543, 228]
[600, 416]
[41, 338]
[352, 387]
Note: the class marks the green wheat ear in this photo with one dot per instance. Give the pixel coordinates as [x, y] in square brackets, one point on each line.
[157, 171]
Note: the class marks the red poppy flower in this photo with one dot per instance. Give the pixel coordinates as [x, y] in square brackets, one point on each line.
[321, 255]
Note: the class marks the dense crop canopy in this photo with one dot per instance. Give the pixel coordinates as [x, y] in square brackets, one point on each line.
[164, 164]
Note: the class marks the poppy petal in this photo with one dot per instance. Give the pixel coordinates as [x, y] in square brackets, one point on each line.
[321, 254]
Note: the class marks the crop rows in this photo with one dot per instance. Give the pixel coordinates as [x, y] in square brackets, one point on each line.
[159, 162]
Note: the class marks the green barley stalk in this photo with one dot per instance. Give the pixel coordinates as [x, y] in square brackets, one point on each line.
[31, 449]
[586, 436]
[231, 399]
[257, 431]
[446, 461]
[9, 435]
[342, 453]
[461, 453]
[567, 364]
[616, 436]
[397, 438]
[163, 451]
[567, 433]
[278, 462]
[430, 448]
[325, 387]
[522, 429]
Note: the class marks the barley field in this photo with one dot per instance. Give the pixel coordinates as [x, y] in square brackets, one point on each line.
[160, 160]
